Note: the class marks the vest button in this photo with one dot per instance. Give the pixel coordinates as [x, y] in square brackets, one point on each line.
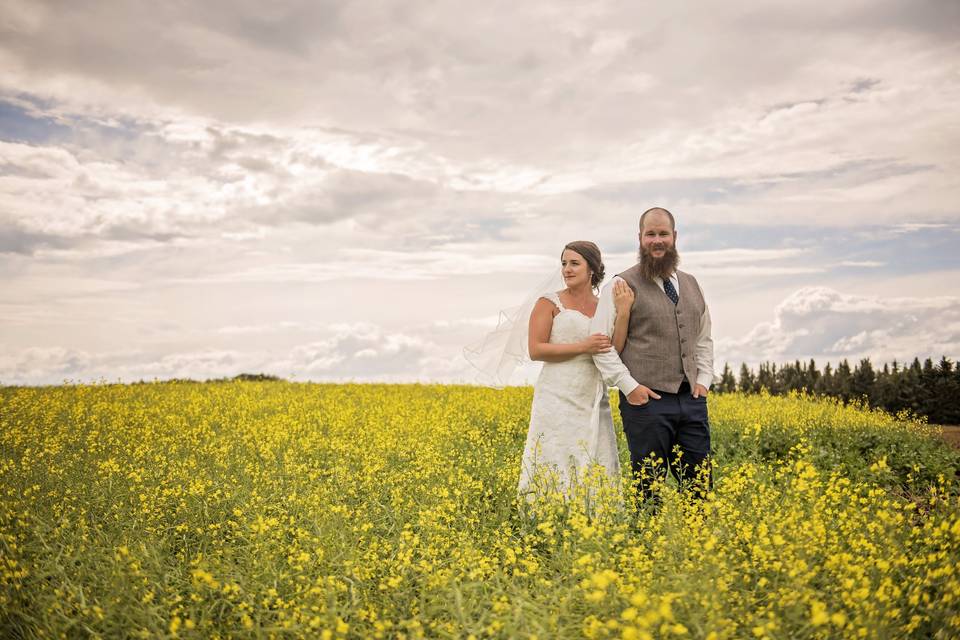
[681, 326]
[682, 340]
[683, 355]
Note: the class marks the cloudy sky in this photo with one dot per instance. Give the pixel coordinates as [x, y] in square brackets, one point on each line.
[331, 190]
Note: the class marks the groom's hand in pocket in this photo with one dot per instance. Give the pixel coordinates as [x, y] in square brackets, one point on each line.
[641, 396]
[699, 391]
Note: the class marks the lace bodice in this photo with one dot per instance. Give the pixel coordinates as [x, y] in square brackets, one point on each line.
[569, 325]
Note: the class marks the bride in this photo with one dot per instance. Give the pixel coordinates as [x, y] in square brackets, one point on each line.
[570, 423]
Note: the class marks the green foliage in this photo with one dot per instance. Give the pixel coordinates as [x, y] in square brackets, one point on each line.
[927, 390]
[848, 438]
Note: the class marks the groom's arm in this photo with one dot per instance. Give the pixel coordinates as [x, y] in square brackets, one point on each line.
[704, 353]
[612, 369]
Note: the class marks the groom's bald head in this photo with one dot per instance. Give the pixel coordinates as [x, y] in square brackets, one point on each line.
[657, 211]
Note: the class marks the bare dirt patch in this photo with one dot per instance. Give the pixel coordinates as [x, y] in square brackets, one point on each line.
[951, 433]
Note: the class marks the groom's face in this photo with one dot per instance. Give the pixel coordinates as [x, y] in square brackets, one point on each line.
[657, 237]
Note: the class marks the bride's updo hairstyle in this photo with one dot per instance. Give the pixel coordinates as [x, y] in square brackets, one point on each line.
[590, 253]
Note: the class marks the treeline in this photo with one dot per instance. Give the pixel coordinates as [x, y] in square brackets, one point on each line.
[243, 377]
[927, 389]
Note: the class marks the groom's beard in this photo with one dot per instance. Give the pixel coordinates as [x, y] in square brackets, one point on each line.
[663, 267]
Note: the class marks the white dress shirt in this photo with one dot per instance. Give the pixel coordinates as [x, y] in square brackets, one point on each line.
[611, 367]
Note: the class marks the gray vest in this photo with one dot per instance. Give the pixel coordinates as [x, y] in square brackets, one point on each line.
[662, 337]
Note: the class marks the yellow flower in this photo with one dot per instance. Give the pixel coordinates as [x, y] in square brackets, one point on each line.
[818, 614]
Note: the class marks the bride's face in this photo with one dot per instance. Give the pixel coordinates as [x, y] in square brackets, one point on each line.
[575, 270]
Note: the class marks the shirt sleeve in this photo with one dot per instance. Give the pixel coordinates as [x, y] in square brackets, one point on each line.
[612, 369]
[704, 353]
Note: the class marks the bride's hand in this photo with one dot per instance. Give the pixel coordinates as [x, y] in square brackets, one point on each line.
[597, 343]
[622, 297]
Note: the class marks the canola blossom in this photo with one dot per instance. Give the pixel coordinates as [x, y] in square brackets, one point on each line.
[275, 510]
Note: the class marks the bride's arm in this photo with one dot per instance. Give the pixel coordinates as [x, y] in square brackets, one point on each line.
[623, 302]
[541, 322]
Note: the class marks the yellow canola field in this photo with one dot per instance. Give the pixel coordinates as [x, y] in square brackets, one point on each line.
[349, 511]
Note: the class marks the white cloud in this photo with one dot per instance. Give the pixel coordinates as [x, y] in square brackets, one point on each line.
[201, 365]
[813, 322]
[364, 351]
[235, 170]
[253, 329]
[409, 103]
[818, 322]
[727, 256]
[47, 365]
[347, 352]
[912, 227]
[385, 265]
[870, 264]
[53, 365]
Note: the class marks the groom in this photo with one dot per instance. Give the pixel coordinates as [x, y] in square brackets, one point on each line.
[665, 369]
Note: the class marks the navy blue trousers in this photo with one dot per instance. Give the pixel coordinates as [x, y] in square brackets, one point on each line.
[670, 433]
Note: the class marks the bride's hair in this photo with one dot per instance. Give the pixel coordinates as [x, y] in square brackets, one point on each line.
[590, 253]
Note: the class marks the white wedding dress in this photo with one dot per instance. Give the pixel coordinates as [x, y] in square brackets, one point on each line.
[570, 423]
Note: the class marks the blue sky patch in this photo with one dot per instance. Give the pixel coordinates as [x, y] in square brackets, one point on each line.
[19, 125]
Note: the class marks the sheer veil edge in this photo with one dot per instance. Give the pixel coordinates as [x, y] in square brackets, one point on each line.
[500, 352]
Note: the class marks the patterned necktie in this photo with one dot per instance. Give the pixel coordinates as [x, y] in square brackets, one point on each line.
[671, 292]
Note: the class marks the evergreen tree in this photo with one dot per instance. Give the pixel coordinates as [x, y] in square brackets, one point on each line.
[884, 390]
[927, 389]
[824, 386]
[861, 383]
[842, 381]
[813, 376]
[945, 395]
[799, 380]
[944, 367]
[765, 377]
[910, 390]
[747, 379]
[728, 383]
[928, 403]
[789, 378]
[954, 418]
[915, 366]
